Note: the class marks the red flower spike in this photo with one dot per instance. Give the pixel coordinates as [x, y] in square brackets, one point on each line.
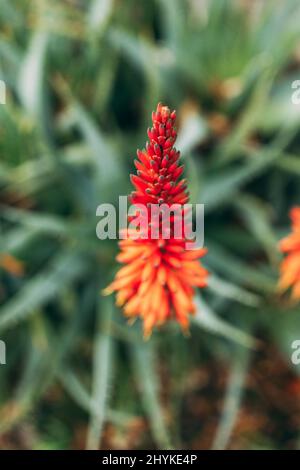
[159, 277]
[290, 266]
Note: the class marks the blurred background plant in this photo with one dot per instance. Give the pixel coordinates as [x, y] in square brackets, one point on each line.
[82, 78]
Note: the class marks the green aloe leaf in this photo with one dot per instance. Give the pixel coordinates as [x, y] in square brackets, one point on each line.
[224, 186]
[258, 220]
[231, 291]
[44, 286]
[239, 271]
[148, 383]
[81, 396]
[102, 374]
[233, 397]
[99, 13]
[208, 320]
[32, 74]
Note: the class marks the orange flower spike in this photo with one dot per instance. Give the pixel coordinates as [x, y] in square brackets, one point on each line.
[159, 277]
[290, 266]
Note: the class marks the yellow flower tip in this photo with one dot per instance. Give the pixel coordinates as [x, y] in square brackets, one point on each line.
[119, 302]
[296, 293]
[107, 290]
[131, 321]
[280, 288]
[186, 331]
[147, 334]
[149, 322]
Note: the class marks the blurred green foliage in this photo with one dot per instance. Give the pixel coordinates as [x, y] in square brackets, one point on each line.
[82, 79]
